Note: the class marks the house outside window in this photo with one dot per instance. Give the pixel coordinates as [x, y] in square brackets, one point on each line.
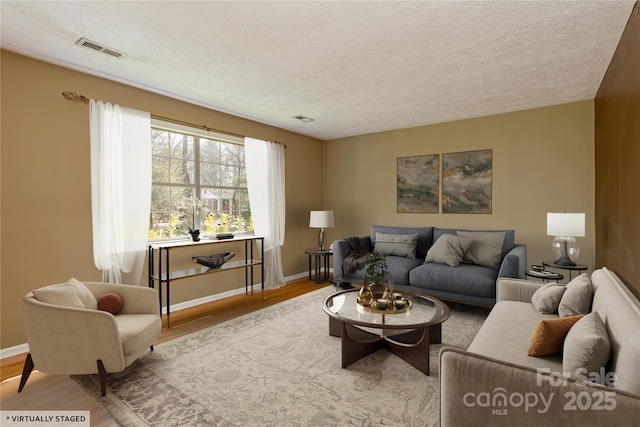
[198, 182]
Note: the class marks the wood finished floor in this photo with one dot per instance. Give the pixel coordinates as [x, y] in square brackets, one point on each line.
[59, 392]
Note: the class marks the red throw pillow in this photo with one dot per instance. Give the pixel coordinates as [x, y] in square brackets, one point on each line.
[111, 303]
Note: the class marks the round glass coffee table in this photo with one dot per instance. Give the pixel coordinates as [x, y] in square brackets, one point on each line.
[407, 334]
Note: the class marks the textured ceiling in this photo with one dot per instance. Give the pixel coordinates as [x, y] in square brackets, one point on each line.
[354, 67]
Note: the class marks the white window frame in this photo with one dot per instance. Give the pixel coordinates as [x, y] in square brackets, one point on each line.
[197, 133]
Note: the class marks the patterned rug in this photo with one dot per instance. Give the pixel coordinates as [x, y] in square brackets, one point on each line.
[277, 367]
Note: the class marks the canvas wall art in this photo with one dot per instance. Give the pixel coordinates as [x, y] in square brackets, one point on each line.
[466, 182]
[418, 184]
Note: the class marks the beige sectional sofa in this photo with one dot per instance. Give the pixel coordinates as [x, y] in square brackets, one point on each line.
[496, 383]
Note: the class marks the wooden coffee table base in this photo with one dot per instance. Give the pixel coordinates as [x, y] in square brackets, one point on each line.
[412, 346]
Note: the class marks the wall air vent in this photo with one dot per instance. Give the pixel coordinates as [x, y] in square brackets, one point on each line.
[98, 47]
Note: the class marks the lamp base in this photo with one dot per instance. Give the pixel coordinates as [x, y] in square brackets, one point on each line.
[565, 251]
[564, 260]
[321, 240]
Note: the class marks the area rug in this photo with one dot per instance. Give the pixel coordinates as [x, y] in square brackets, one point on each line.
[277, 367]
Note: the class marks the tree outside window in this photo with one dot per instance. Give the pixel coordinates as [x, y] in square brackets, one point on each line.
[199, 182]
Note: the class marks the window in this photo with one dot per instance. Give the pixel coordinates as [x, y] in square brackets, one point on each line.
[198, 182]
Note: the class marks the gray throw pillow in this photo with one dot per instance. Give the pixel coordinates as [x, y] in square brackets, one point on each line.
[449, 249]
[485, 249]
[397, 244]
[577, 298]
[587, 347]
[547, 298]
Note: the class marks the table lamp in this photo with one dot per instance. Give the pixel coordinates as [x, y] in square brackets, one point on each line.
[321, 220]
[565, 227]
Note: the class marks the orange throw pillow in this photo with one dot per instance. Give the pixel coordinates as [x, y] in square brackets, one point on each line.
[550, 334]
[111, 303]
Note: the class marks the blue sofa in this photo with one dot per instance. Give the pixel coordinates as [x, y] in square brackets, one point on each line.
[466, 282]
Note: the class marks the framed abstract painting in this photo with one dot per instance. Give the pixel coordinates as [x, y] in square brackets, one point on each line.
[418, 184]
[467, 182]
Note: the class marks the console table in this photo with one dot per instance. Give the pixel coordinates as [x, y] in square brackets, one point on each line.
[163, 274]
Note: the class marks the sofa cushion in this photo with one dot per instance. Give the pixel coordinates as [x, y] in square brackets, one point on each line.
[72, 293]
[397, 244]
[137, 331]
[448, 249]
[465, 279]
[485, 249]
[506, 335]
[549, 335]
[425, 236]
[399, 269]
[587, 347]
[547, 298]
[577, 297]
[508, 244]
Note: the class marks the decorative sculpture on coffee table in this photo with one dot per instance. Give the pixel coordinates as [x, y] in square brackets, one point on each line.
[390, 303]
[365, 296]
[375, 296]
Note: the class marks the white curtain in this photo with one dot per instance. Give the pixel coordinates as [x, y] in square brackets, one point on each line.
[264, 162]
[120, 188]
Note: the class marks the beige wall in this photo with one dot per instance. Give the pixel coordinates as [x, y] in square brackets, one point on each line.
[543, 161]
[45, 179]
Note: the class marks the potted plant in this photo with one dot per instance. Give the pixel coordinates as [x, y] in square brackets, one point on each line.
[377, 271]
[376, 267]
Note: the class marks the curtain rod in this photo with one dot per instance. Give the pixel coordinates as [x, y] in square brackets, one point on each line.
[74, 96]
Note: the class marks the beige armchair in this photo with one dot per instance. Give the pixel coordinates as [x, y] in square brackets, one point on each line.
[67, 333]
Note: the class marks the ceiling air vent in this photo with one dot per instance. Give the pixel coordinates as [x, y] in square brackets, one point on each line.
[97, 46]
[303, 118]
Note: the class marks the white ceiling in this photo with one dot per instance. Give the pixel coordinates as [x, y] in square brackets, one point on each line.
[355, 67]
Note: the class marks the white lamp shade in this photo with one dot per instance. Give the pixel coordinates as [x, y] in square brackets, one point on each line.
[321, 219]
[565, 224]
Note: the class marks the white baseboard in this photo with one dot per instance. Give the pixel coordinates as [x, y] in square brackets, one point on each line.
[204, 300]
[24, 348]
[209, 298]
[12, 351]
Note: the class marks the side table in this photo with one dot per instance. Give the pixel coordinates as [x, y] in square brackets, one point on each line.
[556, 277]
[578, 267]
[321, 264]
